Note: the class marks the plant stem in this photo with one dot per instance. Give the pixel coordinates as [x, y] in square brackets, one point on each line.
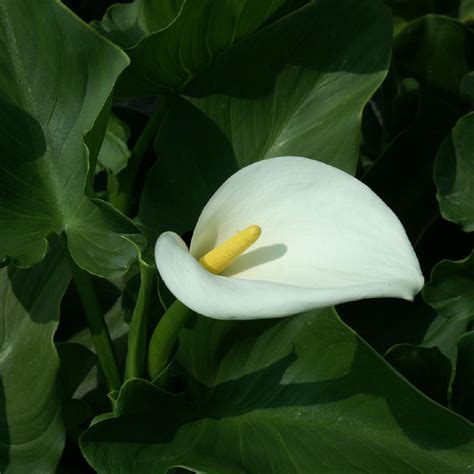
[165, 336]
[137, 337]
[127, 178]
[98, 328]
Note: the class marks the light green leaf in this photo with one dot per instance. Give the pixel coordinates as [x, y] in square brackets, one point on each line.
[51, 92]
[31, 426]
[454, 174]
[127, 23]
[305, 98]
[114, 153]
[167, 60]
[302, 395]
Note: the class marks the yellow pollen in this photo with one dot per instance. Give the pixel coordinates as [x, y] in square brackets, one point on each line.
[224, 254]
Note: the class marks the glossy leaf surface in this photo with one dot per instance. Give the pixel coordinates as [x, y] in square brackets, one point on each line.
[31, 425]
[51, 93]
[305, 99]
[261, 401]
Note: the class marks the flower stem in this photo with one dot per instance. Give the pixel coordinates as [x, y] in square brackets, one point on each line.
[127, 178]
[165, 336]
[98, 328]
[137, 337]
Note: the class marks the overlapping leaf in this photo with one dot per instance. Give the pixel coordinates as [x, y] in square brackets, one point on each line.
[127, 23]
[305, 98]
[167, 60]
[31, 426]
[451, 293]
[436, 50]
[55, 78]
[303, 395]
[454, 174]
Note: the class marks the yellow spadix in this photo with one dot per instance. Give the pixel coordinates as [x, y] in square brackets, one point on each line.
[224, 254]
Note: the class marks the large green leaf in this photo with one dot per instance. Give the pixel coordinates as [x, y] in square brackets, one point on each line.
[167, 60]
[454, 174]
[127, 23]
[305, 98]
[51, 92]
[31, 427]
[303, 395]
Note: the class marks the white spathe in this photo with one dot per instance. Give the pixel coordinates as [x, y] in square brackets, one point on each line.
[326, 239]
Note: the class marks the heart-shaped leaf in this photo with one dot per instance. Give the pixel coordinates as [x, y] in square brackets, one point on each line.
[31, 426]
[51, 93]
[304, 394]
[305, 99]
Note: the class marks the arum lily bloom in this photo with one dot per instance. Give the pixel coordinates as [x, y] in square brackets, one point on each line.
[313, 236]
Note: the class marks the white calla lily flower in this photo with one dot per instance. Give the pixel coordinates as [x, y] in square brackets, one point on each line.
[326, 238]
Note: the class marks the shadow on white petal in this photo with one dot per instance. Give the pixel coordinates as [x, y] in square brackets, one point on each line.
[254, 258]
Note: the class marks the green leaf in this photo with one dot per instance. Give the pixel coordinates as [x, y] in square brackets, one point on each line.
[454, 174]
[463, 385]
[167, 60]
[425, 367]
[444, 333]
[305, 98]
[31, 427]
[451, 289]
[304, 394]
[405, 11]
[450, 292]
[436, 50]
[466, 10]
[114, 153]
[127, 23]
[51, 92]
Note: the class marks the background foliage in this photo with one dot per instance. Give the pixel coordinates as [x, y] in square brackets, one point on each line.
[121, 121]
